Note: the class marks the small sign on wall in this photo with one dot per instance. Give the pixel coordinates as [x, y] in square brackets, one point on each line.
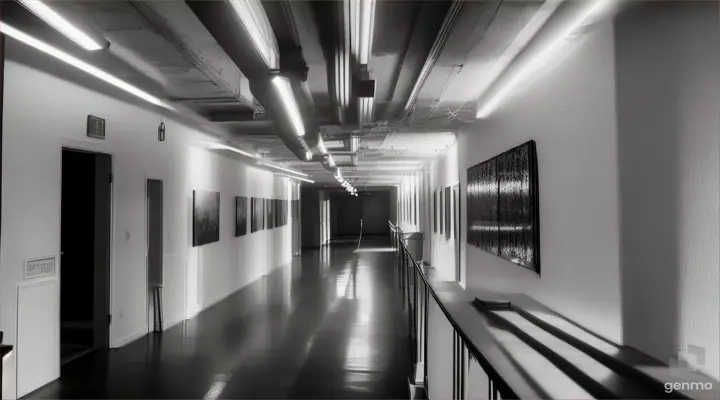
[95, 127]
[39, 267]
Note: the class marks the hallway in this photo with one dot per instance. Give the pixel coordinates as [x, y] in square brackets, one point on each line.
[324, 327]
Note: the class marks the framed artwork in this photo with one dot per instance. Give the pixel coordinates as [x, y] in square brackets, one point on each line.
[257, 208]
[206, 217]
[503, 206]
[270, 222]
[435, 211]
[241, 215]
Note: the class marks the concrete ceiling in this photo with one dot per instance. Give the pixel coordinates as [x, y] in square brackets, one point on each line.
[163, 47]
[472, 59]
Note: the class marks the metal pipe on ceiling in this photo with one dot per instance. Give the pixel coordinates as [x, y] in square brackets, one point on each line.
[446, 28]
[249, 41]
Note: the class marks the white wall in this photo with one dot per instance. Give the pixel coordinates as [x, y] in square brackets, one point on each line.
[443, 173]
[43, 113]
[668, 94]
[628, 138]
[569, 111]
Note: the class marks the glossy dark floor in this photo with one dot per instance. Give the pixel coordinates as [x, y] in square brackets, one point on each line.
[325, 327]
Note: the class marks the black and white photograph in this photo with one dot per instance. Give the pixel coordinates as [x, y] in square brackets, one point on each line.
[206, 217]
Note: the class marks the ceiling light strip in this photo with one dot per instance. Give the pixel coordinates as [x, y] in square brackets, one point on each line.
[367, 23]
[488, 107]
[518, 44]
[62, 25]
[262, 161]
[284, 90]
[82, 65]
[254, 20]
[296, 177]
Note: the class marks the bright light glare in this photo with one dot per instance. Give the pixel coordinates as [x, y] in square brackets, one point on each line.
[554, 45]
[256, 24]
[282, 85]
[292, 171]
[321, 146]
[298, 178]
[82, 65]
[362, 21]
[57, 21]
[255, 156]
[331, 161]
[366, 27]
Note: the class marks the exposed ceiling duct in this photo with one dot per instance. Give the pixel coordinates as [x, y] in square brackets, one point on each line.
[447, 26]
[243, 30]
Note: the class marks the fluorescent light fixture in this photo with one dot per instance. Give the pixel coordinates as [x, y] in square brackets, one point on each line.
[82, 65]
[366, 29]
[308, 153]
[296, 177]
[273, 165]
[282, 85]
[222, 146]
[253, 18]
[362, 21]
[365, 110]
[60, 24]
[538, 59]
[321, 146]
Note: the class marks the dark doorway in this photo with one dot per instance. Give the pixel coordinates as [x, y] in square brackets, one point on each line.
[373, 207]
[85, 253]
[155, 253]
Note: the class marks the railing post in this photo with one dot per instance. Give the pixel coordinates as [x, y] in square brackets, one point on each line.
[419, 372]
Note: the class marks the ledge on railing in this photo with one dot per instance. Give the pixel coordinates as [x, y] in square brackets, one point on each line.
[522, 345]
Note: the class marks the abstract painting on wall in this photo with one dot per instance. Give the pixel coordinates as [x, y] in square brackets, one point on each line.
[503, 206]
[258, 214]
[269, 213]
[241, 215]
[206, 217]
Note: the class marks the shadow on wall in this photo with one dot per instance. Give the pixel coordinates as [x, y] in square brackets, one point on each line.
[666, 63]
[648, 180]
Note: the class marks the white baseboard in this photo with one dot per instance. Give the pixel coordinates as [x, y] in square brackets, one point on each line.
[129, 338]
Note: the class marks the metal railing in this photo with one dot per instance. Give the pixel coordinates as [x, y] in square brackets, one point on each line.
[417, 292]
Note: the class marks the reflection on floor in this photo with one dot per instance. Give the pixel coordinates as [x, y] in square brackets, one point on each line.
[325, 327]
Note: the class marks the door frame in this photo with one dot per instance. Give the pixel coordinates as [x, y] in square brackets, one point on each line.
[86, 147]
[457, 231]
[149, 327]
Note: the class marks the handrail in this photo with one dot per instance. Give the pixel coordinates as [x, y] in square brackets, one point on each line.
[498, 382]
[508, 378]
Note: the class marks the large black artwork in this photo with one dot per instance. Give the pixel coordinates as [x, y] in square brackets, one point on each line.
[503, 206]
[241, 215]
[206, 217]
